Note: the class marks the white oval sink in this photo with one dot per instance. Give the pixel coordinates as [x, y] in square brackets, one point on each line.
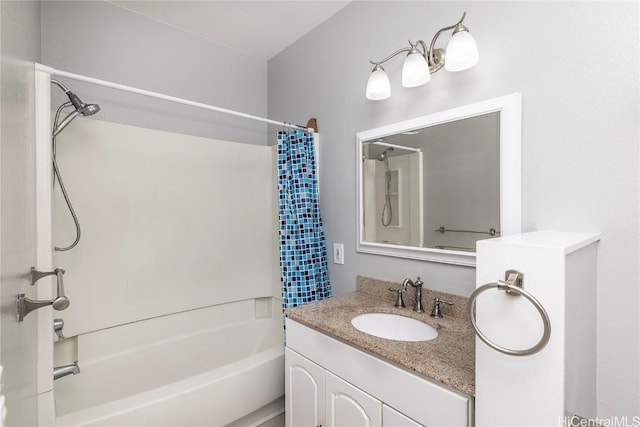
[394, 327]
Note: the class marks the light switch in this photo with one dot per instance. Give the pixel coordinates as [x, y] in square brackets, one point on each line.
[338, 253]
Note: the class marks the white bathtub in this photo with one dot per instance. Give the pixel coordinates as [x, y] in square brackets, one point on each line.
[150, 373]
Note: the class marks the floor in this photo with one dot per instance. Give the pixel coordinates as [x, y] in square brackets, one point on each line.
[275, 422]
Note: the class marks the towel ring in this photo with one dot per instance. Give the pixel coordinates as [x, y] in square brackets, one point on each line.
[516, 291]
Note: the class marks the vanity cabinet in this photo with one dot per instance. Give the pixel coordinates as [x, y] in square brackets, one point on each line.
[316, 397]
[330, 383]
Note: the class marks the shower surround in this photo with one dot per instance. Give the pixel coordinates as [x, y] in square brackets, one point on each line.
[174, 287]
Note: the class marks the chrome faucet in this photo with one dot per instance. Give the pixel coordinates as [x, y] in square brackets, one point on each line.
[63, 371]
[417, 303]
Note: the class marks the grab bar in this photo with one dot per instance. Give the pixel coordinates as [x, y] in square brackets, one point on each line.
[513, 285]
[491, 232]
[460, 248]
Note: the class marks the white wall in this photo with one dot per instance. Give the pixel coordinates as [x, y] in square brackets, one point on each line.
[105, 41]
[576, 64]
[20, 47]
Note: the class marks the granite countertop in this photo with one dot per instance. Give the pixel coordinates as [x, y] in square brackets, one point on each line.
[448, 360]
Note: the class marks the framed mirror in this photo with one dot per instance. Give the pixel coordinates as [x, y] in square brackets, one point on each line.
[430, 187]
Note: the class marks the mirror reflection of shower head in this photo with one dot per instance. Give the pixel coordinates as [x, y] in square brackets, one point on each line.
[383, 156]
[80, 108]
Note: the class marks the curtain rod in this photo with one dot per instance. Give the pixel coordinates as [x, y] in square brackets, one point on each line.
[400, 147]
[53, 71]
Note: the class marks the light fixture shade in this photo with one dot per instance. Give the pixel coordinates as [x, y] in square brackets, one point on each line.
[462, 52]
[415, 71]
[378, 85]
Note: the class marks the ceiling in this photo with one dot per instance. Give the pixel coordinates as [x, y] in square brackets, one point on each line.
[258, 28]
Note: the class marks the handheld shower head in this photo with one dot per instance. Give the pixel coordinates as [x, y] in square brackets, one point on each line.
[80, 108]
[383, 156]
[89, 109]
[63, 124]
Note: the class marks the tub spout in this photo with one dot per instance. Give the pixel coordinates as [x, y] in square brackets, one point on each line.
[63, 371]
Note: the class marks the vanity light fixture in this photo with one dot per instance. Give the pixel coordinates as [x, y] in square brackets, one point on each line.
[420, 63]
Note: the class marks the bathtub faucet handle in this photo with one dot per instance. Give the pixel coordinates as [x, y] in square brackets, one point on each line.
[59, 303]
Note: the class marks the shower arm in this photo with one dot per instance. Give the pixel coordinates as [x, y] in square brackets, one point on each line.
[60, 85]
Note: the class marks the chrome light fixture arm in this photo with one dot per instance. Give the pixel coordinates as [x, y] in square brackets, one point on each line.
[436, 56]
[394, 54]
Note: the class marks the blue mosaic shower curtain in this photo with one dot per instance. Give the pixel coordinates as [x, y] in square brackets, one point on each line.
[304, 274]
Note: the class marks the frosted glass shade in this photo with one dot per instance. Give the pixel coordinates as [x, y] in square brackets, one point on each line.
[415, 71]
[462, 52]
[378, 85]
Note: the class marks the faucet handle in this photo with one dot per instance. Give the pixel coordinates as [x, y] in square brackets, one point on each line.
[436, 312]
[399, 300]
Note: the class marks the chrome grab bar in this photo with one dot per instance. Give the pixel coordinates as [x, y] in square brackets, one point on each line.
[513, 285]
[491, 232]
[59, 303]
[457, 248]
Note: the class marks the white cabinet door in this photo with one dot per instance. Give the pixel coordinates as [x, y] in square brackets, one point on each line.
[348, 406]
[304, 391]
[393, 418]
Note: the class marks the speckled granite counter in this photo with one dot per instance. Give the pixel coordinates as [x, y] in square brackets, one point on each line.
[448, 359]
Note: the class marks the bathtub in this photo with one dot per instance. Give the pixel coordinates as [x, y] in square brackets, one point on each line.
[230, 368]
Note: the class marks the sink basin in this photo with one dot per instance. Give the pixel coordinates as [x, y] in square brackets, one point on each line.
[394, 327]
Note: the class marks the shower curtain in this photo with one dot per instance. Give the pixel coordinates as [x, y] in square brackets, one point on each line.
[303, 252]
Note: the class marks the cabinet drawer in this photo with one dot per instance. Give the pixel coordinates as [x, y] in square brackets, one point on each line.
[418, 398]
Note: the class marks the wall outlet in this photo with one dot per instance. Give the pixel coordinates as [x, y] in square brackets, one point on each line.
[338, 253]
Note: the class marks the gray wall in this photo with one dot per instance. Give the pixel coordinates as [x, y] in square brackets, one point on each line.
[104, 41]
[20, 36]
[576, 64]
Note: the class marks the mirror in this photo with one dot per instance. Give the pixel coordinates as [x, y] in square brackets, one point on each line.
[430, 187]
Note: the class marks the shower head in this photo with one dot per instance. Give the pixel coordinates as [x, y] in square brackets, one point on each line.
[89, 109]
[81, 108]
[383, 156]
[85, 110]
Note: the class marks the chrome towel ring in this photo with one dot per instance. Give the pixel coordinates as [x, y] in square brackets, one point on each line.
[513, 286]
